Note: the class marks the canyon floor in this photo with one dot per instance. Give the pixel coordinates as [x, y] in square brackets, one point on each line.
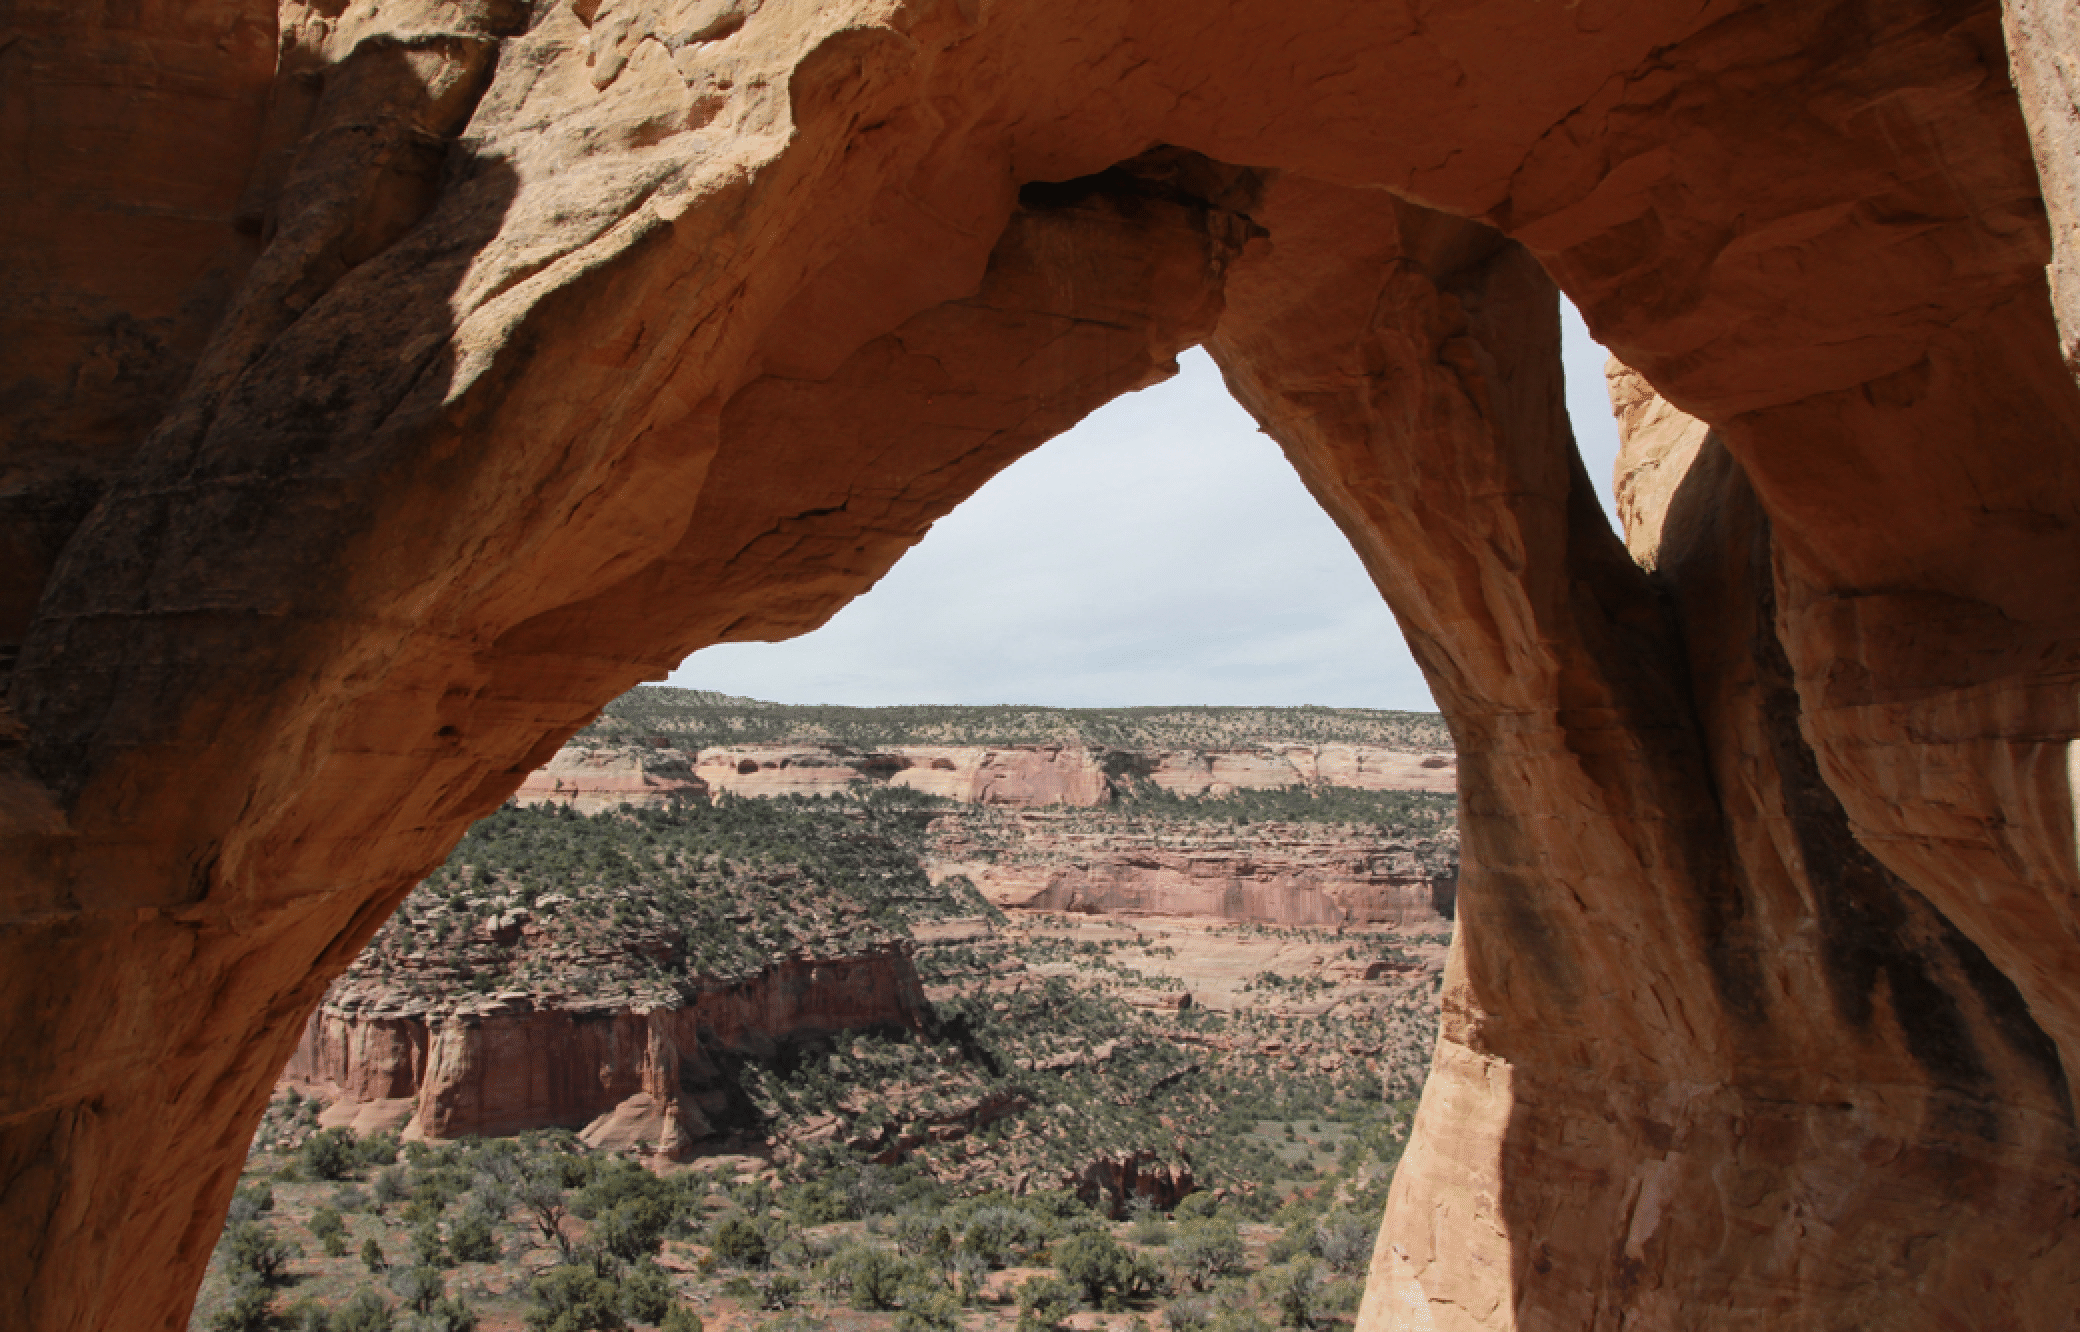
[1302, 1051]
[719, 1051]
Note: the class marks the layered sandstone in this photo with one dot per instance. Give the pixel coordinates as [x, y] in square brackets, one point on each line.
[1273, 873]
[1022, 775]
[382, 419]
[592, 777]
[1275, 767]
[630, 1077]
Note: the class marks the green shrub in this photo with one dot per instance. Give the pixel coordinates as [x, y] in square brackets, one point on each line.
[472, 1239]
[428, 1248]
[1198, 1206]
[541, 1197]
[633, 1228]
[372, 1255]
[646, 1293]
[920, 1233]
[329, 1154]
[874, 1277]
[389, 1186]
[379, 1150]
[1344, 1240]
[967, 1273]
[765, 1290]
[447, 1315]
[253, 1252]
[1102, 1271]
[306, 1315]
[740, 1242]
[1044, 1303]
[326, 1221]
[1000, 1235]
[574, 1299]
[363, 1311]
[681, 1318]
[929, 1308]
[1201, 1252]
[250, 1203]
[418, 1288]
[1295, 1290]
[251, 1310]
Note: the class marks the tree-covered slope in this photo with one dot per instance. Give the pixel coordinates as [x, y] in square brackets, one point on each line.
[697, 718]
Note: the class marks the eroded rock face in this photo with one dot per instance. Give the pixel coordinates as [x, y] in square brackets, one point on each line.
[629, 1078]
[493, 357]
[1017, 775]
[1273, 873]
[590, 779]
[594, 777]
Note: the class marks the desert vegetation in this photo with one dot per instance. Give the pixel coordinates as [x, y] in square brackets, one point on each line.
[1078, 1124]
[347, 1235]
[695, 718]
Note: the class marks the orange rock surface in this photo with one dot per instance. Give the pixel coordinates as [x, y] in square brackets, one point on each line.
[594, 777]
[390, 387]
[590, 779]
[640, 1079]
[1272, 873]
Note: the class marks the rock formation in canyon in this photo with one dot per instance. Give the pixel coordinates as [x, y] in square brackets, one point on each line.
[1272, 873]
[629, 1077]
[589, 778]
[392, 386]
[653, 767]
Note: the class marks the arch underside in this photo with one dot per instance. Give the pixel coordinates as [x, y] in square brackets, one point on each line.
[541, 347]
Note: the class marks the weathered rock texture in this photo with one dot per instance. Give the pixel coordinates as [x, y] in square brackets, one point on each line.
[632, 1079]
[371, 427]
[1274, 873]
[1021, 775]
[1273, 767]
[594, 777]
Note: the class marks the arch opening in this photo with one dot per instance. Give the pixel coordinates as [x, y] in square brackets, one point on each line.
[427, 576]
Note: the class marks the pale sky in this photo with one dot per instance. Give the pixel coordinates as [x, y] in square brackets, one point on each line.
[1162, 552]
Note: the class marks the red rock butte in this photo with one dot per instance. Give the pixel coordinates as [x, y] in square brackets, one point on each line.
[388, 389]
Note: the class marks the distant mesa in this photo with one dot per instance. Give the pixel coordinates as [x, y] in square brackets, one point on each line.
[606, 975]
[659, 746]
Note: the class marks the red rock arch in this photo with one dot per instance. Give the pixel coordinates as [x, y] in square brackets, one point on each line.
[476, 334]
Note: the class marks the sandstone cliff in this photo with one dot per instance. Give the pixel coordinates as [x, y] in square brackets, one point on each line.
[610, 974]
[401, 383]
[1276, 873]
[649, 1080]
[591, 776]
[700, 719]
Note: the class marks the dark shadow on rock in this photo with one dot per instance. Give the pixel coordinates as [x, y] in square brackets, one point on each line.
[191, 602]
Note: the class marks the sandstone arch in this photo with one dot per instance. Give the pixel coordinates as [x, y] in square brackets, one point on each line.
[476, 331]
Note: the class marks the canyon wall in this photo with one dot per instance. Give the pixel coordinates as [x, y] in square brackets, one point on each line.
[643, 1079]
[401, 383]
[1272, 873]
[592, 778]
[595, 777]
